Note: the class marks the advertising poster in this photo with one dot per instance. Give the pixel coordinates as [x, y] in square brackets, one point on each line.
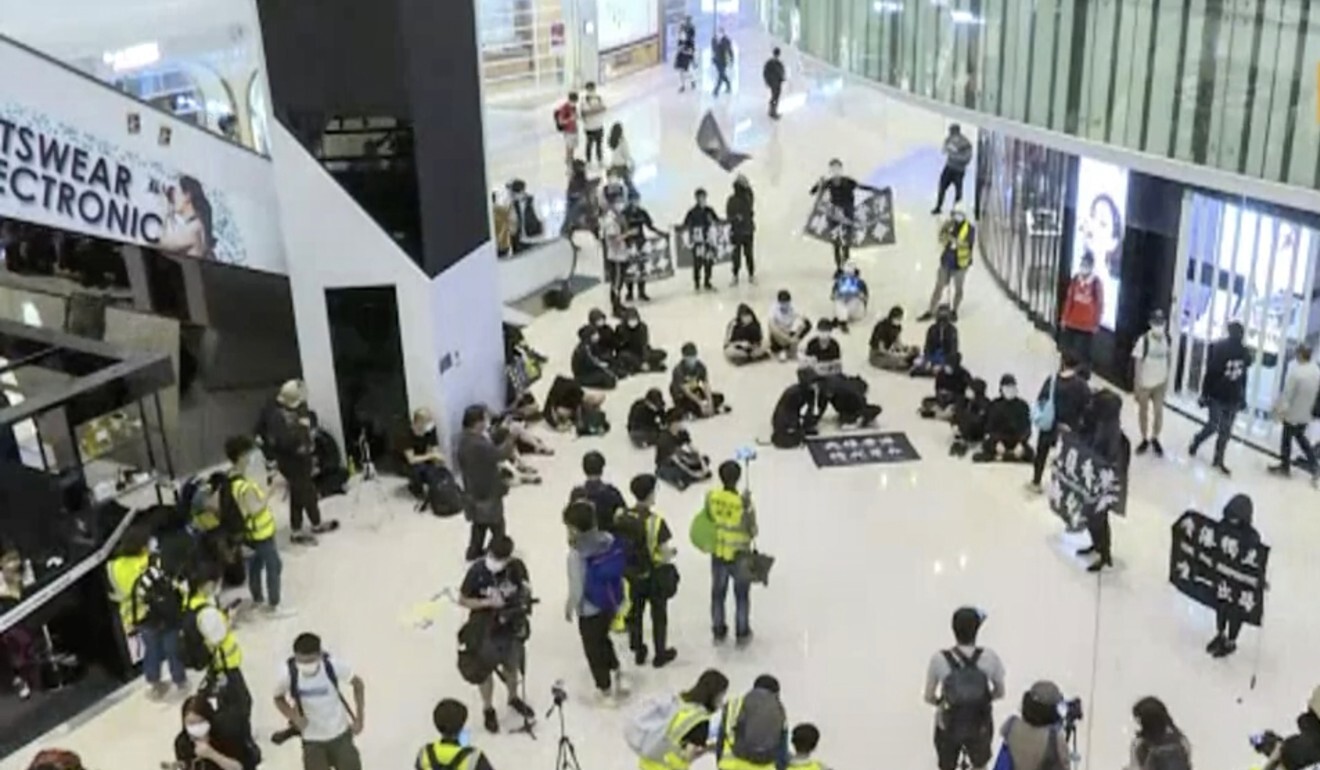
[1101, 218]
[621, 22]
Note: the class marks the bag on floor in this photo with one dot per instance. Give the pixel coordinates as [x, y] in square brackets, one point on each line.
[758, 734]
[445, 497]
[602, 585]
[647, 733]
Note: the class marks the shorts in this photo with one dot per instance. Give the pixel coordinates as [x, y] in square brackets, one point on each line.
[949, 747]
[570, 139]
[510, 651]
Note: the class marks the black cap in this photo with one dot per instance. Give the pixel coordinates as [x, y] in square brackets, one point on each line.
[1007, 379]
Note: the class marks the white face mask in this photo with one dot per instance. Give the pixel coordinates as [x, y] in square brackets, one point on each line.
[308, 669]
[632, 323]
[1009, 393]
[425, 428]
[198, 729]
[786, 308]
[1085, 272]
[496, 566]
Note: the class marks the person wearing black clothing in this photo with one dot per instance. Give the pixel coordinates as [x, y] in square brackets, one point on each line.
[1072, 397]
[1223, 392]
[797, 412]
[952, 381]
[1104, 434]
[969, 418]
[744, 340]
[604, 497]
[676, 460]
[1300, 751]
[847, 394]
[941, 344]
[721, 55]
[568, 406]
[1237, 520]
[699, 229]
[293, 433]
[690, 387]
[479, 462]
[842, 192]
[773, 75]
[742, 226]
[646, 418]
[580, 212]
[632, 345]
[886, 344]
[590, 369]
[426, 464]
[636, 221]
[1007, 426]
[652, 577]
[212, 741]
[496, 591]
[822, 351]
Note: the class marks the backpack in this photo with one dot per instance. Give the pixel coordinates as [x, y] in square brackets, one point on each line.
[965, 693]
[453, 764]
[630, 527]
[1168, 754]
[445, 498]
[602, 585]
[163, 601]
[232, 520]
[329, 673]
[1052, 760]
[477, 656]
[647, 733]
[192, 645]
[758, 735]
[183, 500]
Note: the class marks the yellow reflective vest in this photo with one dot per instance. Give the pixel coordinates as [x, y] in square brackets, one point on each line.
[725, 508]
[688, 716]
[227, 655]
[124, 572]
[727, 760]
[438, 755]
[260, 525]
[962, 245]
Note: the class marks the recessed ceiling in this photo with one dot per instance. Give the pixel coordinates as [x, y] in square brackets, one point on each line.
[77, 29]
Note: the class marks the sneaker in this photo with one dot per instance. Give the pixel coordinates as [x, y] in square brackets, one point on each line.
[491, 720]
[279, 611]
[708, 287]
[734, 282]
[1219, 466]
[1279, 470]
[521, 708]
[664, 657]
[158, 691]
[325, 526]
[644, 297]
[1215, 644]
[720, 634]
[1191, 449]
[782, 356]
[620, 690]
[641, 653]
[1035, 488]
[936, 211]
[743, 640]
[21, 688]
[1226, 647]
[1087, 551]
[605, 699]
[1143, 447]
[926, 316]
[302, 538]
[1099, 565]
[1156, 447]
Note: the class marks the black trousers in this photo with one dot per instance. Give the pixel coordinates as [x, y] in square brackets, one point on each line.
[1043, 447]
[950, 177]
[477, 542]
[742, 248]
[596, 139]
[303, 497]
[1102, 537]
[642, 594]
[701, 270]
[842, 250]
[775, 91]
[1078, 343]
[1229, 625]
[596, 643]
[722, 79]
[1295, 433]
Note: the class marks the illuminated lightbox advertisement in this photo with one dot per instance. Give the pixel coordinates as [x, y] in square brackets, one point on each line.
[620, 22]
[1101, 206]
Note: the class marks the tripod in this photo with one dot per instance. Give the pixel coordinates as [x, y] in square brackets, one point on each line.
[368, 478]
[566, 758]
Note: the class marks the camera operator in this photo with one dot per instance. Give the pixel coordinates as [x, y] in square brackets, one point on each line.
[1296, 752]
[498, 591]
[962, 683]
[1036, 740]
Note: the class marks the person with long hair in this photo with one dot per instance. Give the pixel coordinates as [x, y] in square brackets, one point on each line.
[208, 741]
[744, 340]
[688, 731]
[621, 159]
[1158, 742]
[189, 227]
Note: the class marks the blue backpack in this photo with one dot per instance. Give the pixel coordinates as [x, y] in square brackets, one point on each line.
[603, 584]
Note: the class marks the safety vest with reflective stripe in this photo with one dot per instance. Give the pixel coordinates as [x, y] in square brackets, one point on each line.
[439, 754]
[227, 655]
[124, 572]
[653, 524]
[688, 716]
[805, 764]
[260, 525]
[725, 508]
[727, 760]
[963, 245]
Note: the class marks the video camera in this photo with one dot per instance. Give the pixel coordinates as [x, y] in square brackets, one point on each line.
[1266, 742]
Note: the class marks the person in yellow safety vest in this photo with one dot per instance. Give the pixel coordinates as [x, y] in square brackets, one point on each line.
[957, 237]
[688, 732]
[765, 714]
[124, 570]
[652, 577]
[224, 669]
[805, 738]
[451, 751]
[735, 524]
[260, 525]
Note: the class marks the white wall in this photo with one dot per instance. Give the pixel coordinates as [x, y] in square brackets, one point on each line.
[466, 318]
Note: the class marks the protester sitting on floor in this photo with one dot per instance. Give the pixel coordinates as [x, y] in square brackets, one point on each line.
[847, 394]
[887, 348]
[426, 464]
[632, 346]
[607, 349]
[785, 327]
[1007, 426]
[690, 387]
[969, 419]
[590, 369]
[523, 366]
[797, 412]
[569, 407]
[850, 296]
[822, 351]
[525, 439]
[744, 341]
[646, 418]
[677, 462]
[952, 381]
[941, 344]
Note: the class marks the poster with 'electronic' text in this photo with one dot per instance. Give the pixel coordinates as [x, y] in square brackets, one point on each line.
[1214, 565]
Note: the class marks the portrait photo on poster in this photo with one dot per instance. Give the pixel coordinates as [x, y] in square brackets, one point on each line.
[1101, 207]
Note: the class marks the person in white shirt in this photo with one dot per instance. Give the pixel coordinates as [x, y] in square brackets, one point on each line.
[621, 159]
[1150, 379]
[593, 122]
[307, 694]
[1295, 409]
[786, 326]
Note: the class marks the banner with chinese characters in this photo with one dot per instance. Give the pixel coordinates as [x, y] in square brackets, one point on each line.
[1210, 565]
[713, 244]
[861, 449]
[872, 225]
[1083, 484]
[652, 261]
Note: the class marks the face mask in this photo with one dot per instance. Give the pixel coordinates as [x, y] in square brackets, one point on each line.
[632, 323]
[1157, 326]
[827, 335]
[426, 427]
[496, 566]
[835, 171]
[1009, 393]
[595, 340]
[786, 307]
[308, 669]
[746, 320]
[198, 729]
[690, 360]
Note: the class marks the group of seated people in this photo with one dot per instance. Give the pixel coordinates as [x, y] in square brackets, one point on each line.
[747, 342]
[604, 354]
[652, 423]
[889, 352]
[802, 405]
[1001, 427]
[432, 481]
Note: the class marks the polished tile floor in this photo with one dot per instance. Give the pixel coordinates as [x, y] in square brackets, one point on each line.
[872, 560]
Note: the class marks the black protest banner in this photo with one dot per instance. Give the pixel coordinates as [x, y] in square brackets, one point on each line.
[710, 244]
[861, 449]
[1211, 564]
[710, 139]
[872, 225]
[652, 260]
[1083, 484]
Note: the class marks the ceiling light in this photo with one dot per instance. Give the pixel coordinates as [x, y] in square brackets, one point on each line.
[132, 57]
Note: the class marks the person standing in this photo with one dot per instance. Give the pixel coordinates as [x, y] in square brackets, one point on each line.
[636, 222]
[962, 683]
[294, 449]
[957, 236]
[842, 190]
[957, 155]
[1151, 357]
[449, 752]
[603, 496]
[1237, 518]
[721, 55]
[1083, 307]
[259, 527]
[685, 60]
[149, 607]
[652, 576]
[593, 122]
[735, 526]
[596, 565]
[307, 694]
[566, 123]
[741, 216]
[699, 228]
[497, 591]
[224, 669]
[621, 159]
[1223, 392]
[1070, 395]
[1295, 408]
[773, 75]
[479, 462]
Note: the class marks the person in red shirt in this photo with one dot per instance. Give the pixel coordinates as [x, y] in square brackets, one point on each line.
[1083, 307]
[566, 120]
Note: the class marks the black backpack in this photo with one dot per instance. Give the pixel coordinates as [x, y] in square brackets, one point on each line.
[232, 521]
[330, 674]
[965, 694]
[192, 645]
[155, 591]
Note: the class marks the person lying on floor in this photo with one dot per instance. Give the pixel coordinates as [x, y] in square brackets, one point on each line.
[952, 381]
[646, 418]
[569, 407]
[690, 387]
[847, 394]
[1007, 426]
[887, 349]
[744, 341]
[786, 327]
[822, 351]
[677, 462]
[969, 419]
[849, 294]
[941, 344]
[797, 413]
[590, 367]
[632, 346]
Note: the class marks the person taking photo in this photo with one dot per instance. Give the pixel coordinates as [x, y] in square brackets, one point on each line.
[497, 592]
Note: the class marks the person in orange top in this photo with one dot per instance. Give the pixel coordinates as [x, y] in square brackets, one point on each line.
[1083, 308]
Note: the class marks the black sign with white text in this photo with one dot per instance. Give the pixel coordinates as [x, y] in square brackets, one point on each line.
[861, 449]
[1210, 564]
[652, 261]
[873, 224]
[710, 244]
[1083, 484]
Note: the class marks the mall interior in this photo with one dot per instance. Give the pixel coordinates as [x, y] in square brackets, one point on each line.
[202, 202]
